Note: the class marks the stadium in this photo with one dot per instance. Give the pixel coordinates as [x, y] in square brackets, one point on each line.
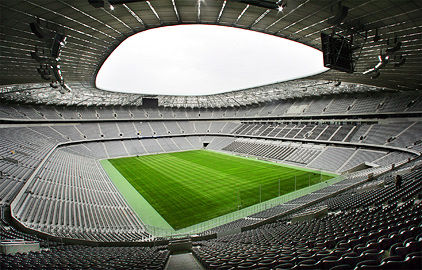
[318, 172]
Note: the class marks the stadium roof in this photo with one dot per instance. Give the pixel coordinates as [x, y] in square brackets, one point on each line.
[92, 34]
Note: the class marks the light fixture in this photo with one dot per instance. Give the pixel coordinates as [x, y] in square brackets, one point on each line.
[63, 42]
[391, 53]
[281, 5]
[370, 70]
[55, 41]
[383, 60]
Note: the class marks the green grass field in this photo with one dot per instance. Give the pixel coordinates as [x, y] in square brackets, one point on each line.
[186, 188]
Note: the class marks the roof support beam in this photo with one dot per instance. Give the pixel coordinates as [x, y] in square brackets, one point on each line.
[221, 11]
[259, 18]
[122, 22]
[199, 11]
[155, 12]
[134, 15]
[176, 11]
[91, 17]
[241, 14]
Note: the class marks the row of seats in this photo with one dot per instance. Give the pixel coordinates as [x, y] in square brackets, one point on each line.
[353, 179]
[401, 134]
[73, 197]
[381, 229]
[331, 158]
[398, 134]
[312, 106]
[407, 137]
[83, 257]
[21, 150]
[383, 233]
[321, 243]
[67, 225]
[283, 151]
[301, 202]
[82, 131]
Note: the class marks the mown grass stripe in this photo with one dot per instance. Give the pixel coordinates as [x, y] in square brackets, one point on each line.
[190, 187]
[141, 207]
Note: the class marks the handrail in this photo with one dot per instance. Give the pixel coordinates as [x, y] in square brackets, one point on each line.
[314, 117]
[373, 146]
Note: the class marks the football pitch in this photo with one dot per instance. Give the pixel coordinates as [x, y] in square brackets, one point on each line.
[190, 187]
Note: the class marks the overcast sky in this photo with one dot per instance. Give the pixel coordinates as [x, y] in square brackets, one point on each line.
[204, 59]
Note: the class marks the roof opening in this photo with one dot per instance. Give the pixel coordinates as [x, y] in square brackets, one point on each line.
[204, 60]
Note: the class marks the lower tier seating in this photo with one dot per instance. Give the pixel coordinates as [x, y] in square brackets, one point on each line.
[379, 229]
[327, 158]
[73, 197]
[83, 257]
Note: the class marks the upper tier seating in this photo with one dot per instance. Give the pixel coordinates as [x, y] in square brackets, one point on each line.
[332, 158]
[349, 105]
[400, 134]
[291, 152]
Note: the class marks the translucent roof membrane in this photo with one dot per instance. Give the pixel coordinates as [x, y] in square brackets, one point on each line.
[204, 60]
